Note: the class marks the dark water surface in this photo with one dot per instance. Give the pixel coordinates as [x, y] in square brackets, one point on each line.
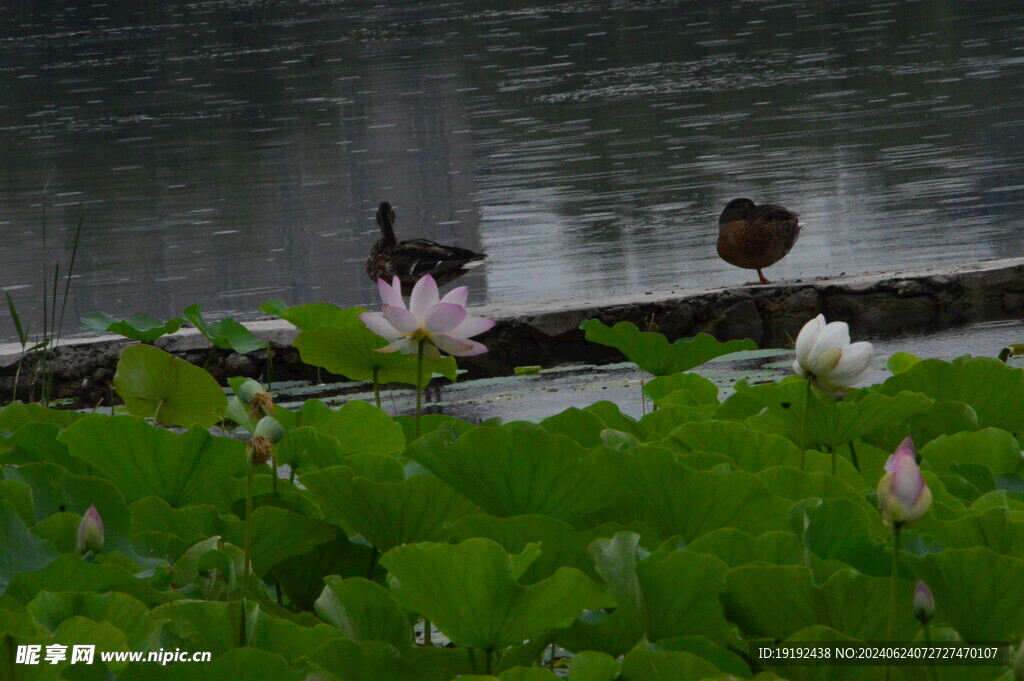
[230, 152]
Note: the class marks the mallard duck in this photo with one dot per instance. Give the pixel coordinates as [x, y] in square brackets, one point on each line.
[410, 260]
[754, 237]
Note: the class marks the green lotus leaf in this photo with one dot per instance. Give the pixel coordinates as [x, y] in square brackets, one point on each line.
[677, 500]
[561, 545]
[227, 334]
[312, 315]
[659, 424]
[778, 601]
[518, 469]
[613, 418]
[305, 449]
[350, 351]
[900, 362]
[359, 427]
[26, 672]
[793, 484]
[138, 327]
[51, 608]
[582, 426]
[17, 414]
[70, 569]
[721, 658]
[105, 636]
[827, 422]
[291, 640]
[653, 353]
[470, 591]
[996, 528]
[364, 611]
[433, 422]
[19, 495]
[993, 389]
[681, 389]
[979, 592]
[736, 548]
[663, 596]
[156, 383]
[37, 442]
[302, 577]
[388, 514]
[944, 418]
[995, 449]
[20, 551]
[188, 524]
[596, 630]
[844, 530]
[203, 624]
[648, 662]
[142, 461]
[367, 661]
[593, 666]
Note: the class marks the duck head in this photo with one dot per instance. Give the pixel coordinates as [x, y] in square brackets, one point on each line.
[737, 209]
[386, 221]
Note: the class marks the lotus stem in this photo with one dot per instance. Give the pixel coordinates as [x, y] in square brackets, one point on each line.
[853, 456]
[896, 527]
[376, 386]
[419, 386]
[428, 638]
[831, 451]
[803, 428]
[488, 661]
[248, 542]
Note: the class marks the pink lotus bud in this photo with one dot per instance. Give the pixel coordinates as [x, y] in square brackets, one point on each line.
[903, 495]
[924, 602]
[90, 532]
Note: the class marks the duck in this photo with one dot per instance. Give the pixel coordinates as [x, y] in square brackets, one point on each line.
[410, 260]
[753, 237]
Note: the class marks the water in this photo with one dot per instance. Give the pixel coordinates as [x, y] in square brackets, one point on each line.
[230, 152]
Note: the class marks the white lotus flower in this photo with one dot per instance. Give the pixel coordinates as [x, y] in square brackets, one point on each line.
[442, 323]
[826, 357]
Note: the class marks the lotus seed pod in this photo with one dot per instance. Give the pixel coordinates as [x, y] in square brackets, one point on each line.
[270, 428]
[90, 532]
[258, 400]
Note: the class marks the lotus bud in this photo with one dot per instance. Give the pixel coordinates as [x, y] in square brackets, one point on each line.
[903, 495]
[90, 532]
[924, 602]
[827, 359]
[259, 400]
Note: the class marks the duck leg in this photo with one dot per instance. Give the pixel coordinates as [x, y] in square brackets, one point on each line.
[763, 280]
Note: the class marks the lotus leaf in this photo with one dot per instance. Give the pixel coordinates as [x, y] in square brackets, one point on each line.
[156, 383]
[470, 591]
[653, 353]
[227, 334]
[138, 327]
[364, 611]
[388, 514]
[517, 469]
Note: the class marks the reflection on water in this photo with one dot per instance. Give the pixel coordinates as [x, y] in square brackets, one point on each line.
[230, 152]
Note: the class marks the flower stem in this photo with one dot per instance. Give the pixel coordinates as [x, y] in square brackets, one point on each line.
[853, 456]
[376, 387]
[419, 385]
[896, 527]
[428, 638]
[803, 427]
[248, 544]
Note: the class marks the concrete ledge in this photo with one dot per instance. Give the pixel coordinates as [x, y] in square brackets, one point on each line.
[547, 334]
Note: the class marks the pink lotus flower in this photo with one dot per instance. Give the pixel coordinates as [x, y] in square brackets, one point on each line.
[90, 532]
[903, 495]
[442, 323]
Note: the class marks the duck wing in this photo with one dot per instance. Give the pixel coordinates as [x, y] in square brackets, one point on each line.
[417, 257]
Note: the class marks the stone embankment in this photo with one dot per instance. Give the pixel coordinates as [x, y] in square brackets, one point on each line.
[548, 334]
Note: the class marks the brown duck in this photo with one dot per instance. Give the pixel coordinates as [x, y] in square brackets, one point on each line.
[754, 237]
[410, 260]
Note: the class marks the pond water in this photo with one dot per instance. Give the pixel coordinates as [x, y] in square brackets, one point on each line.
[228, 152]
